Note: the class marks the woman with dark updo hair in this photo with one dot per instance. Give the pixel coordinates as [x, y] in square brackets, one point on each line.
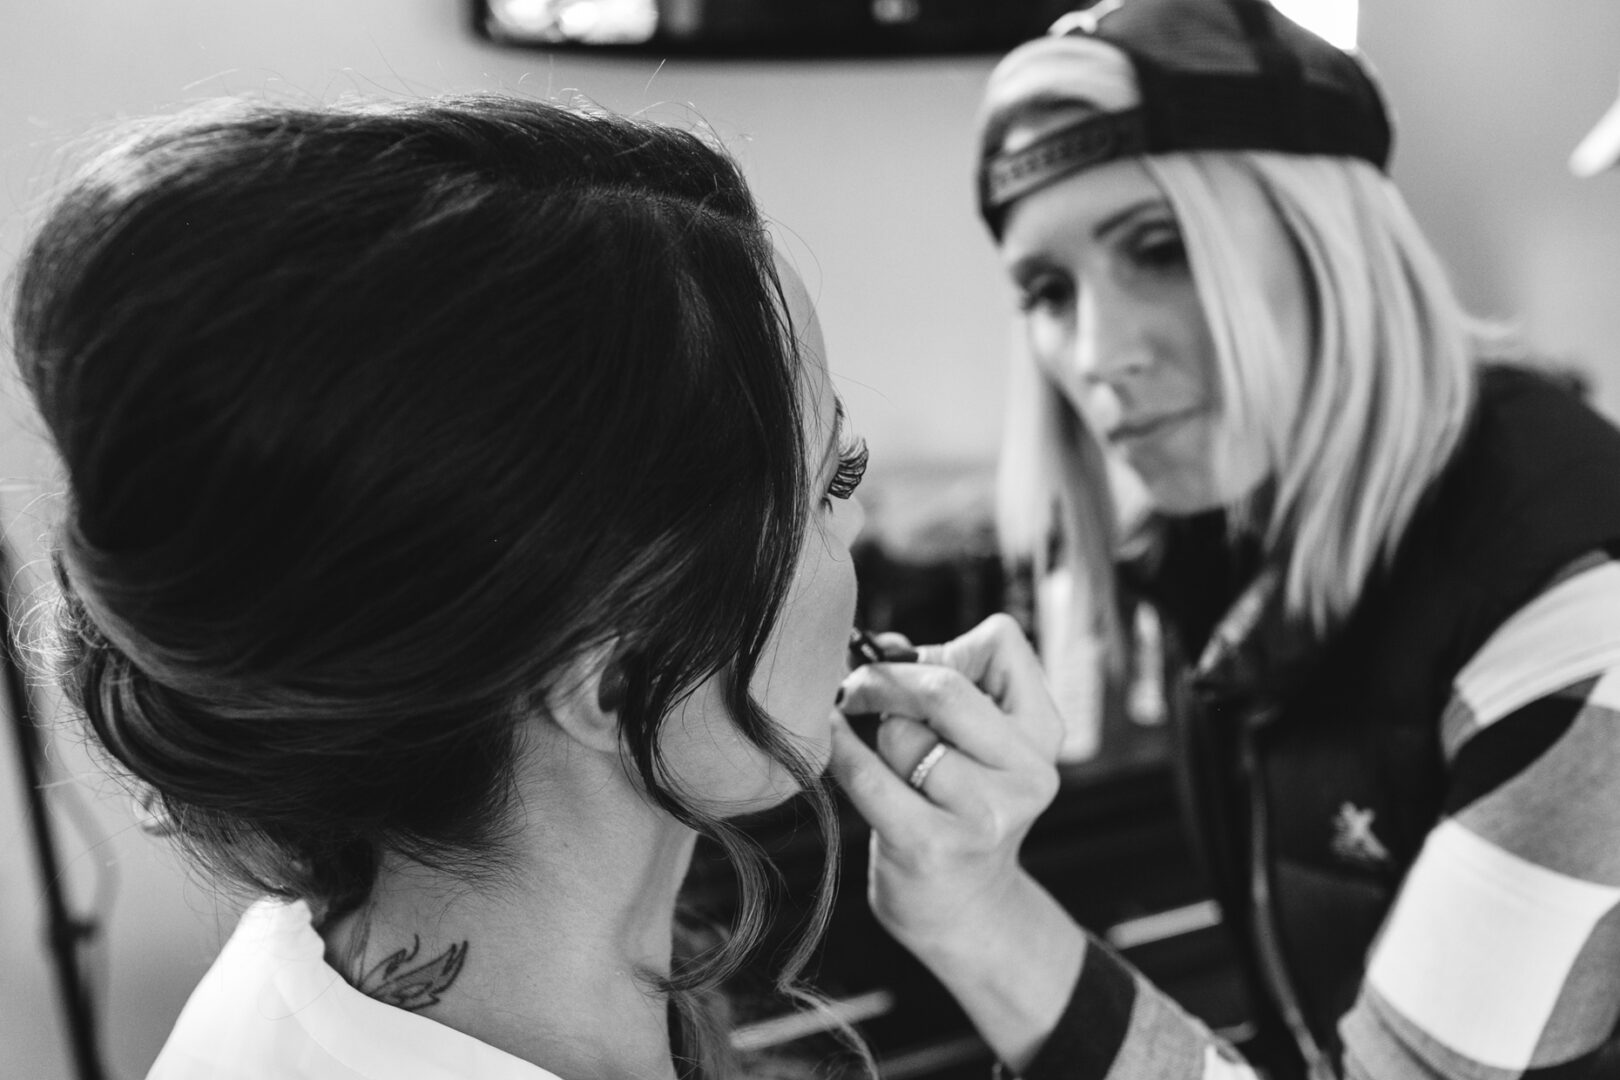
[458, 527]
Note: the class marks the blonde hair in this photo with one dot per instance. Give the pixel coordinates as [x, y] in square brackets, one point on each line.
[1356, 432]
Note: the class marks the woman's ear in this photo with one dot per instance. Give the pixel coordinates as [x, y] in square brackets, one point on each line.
[610, 688]
[586, 702]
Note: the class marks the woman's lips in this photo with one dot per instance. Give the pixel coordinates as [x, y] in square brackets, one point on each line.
[1145, 427]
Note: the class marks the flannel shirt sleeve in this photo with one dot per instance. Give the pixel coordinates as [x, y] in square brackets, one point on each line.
[1499, 958]
[1119, 1026]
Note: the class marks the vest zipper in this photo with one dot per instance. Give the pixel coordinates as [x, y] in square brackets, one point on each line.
[1317, 1065]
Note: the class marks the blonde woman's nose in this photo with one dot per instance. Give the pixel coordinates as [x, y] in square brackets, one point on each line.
[1108, 348]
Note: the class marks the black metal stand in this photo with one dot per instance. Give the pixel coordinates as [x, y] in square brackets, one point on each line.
[66, 933]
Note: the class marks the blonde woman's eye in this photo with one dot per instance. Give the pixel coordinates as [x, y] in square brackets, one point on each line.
[1044, 292]
[1160, 249]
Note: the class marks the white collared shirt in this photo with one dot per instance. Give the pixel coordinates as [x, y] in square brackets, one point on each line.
[271, 1008]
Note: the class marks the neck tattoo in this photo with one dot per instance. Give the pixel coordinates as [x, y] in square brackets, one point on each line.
[398, 980]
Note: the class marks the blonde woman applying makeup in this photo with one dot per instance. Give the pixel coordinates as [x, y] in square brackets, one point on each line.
[1386, 567]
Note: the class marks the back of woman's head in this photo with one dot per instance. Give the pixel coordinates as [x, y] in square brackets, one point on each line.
[374, 419]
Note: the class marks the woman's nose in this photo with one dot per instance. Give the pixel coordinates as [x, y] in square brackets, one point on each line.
[851, 519]
[1109, 347]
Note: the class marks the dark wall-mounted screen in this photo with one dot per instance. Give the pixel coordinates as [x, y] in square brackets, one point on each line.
[769, 28]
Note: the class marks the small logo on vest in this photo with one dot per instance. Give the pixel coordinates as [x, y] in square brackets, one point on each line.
[1353, 839]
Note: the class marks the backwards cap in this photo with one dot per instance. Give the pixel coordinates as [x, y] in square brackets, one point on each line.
[1212, 75]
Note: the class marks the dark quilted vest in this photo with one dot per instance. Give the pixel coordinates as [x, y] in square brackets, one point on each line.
[1343, 736]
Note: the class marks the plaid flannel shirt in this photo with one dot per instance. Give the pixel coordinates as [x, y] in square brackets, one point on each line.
[1500, 958]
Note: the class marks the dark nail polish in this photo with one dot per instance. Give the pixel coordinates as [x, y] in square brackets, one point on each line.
[862, 649]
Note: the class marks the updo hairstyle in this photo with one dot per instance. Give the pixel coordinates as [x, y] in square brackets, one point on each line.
[374, 418]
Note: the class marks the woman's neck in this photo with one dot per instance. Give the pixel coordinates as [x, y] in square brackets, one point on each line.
[552, 963]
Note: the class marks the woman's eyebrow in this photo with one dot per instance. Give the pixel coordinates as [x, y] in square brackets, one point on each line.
[1115, 221]
[1040, 261]
[1029, 265]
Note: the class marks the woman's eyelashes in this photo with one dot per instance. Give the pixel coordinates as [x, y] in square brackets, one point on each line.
[847, 477]
[1044, 291]
[1157, 247]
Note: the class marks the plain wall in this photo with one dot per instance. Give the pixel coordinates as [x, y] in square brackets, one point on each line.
[866, 167]
[1490, 98]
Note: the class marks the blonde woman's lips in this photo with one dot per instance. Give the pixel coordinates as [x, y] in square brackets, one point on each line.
[1145, 427]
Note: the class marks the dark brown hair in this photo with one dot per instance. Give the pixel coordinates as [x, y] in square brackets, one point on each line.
[375, 418]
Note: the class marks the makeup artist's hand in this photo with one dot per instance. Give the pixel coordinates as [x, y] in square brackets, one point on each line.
[945, 878]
